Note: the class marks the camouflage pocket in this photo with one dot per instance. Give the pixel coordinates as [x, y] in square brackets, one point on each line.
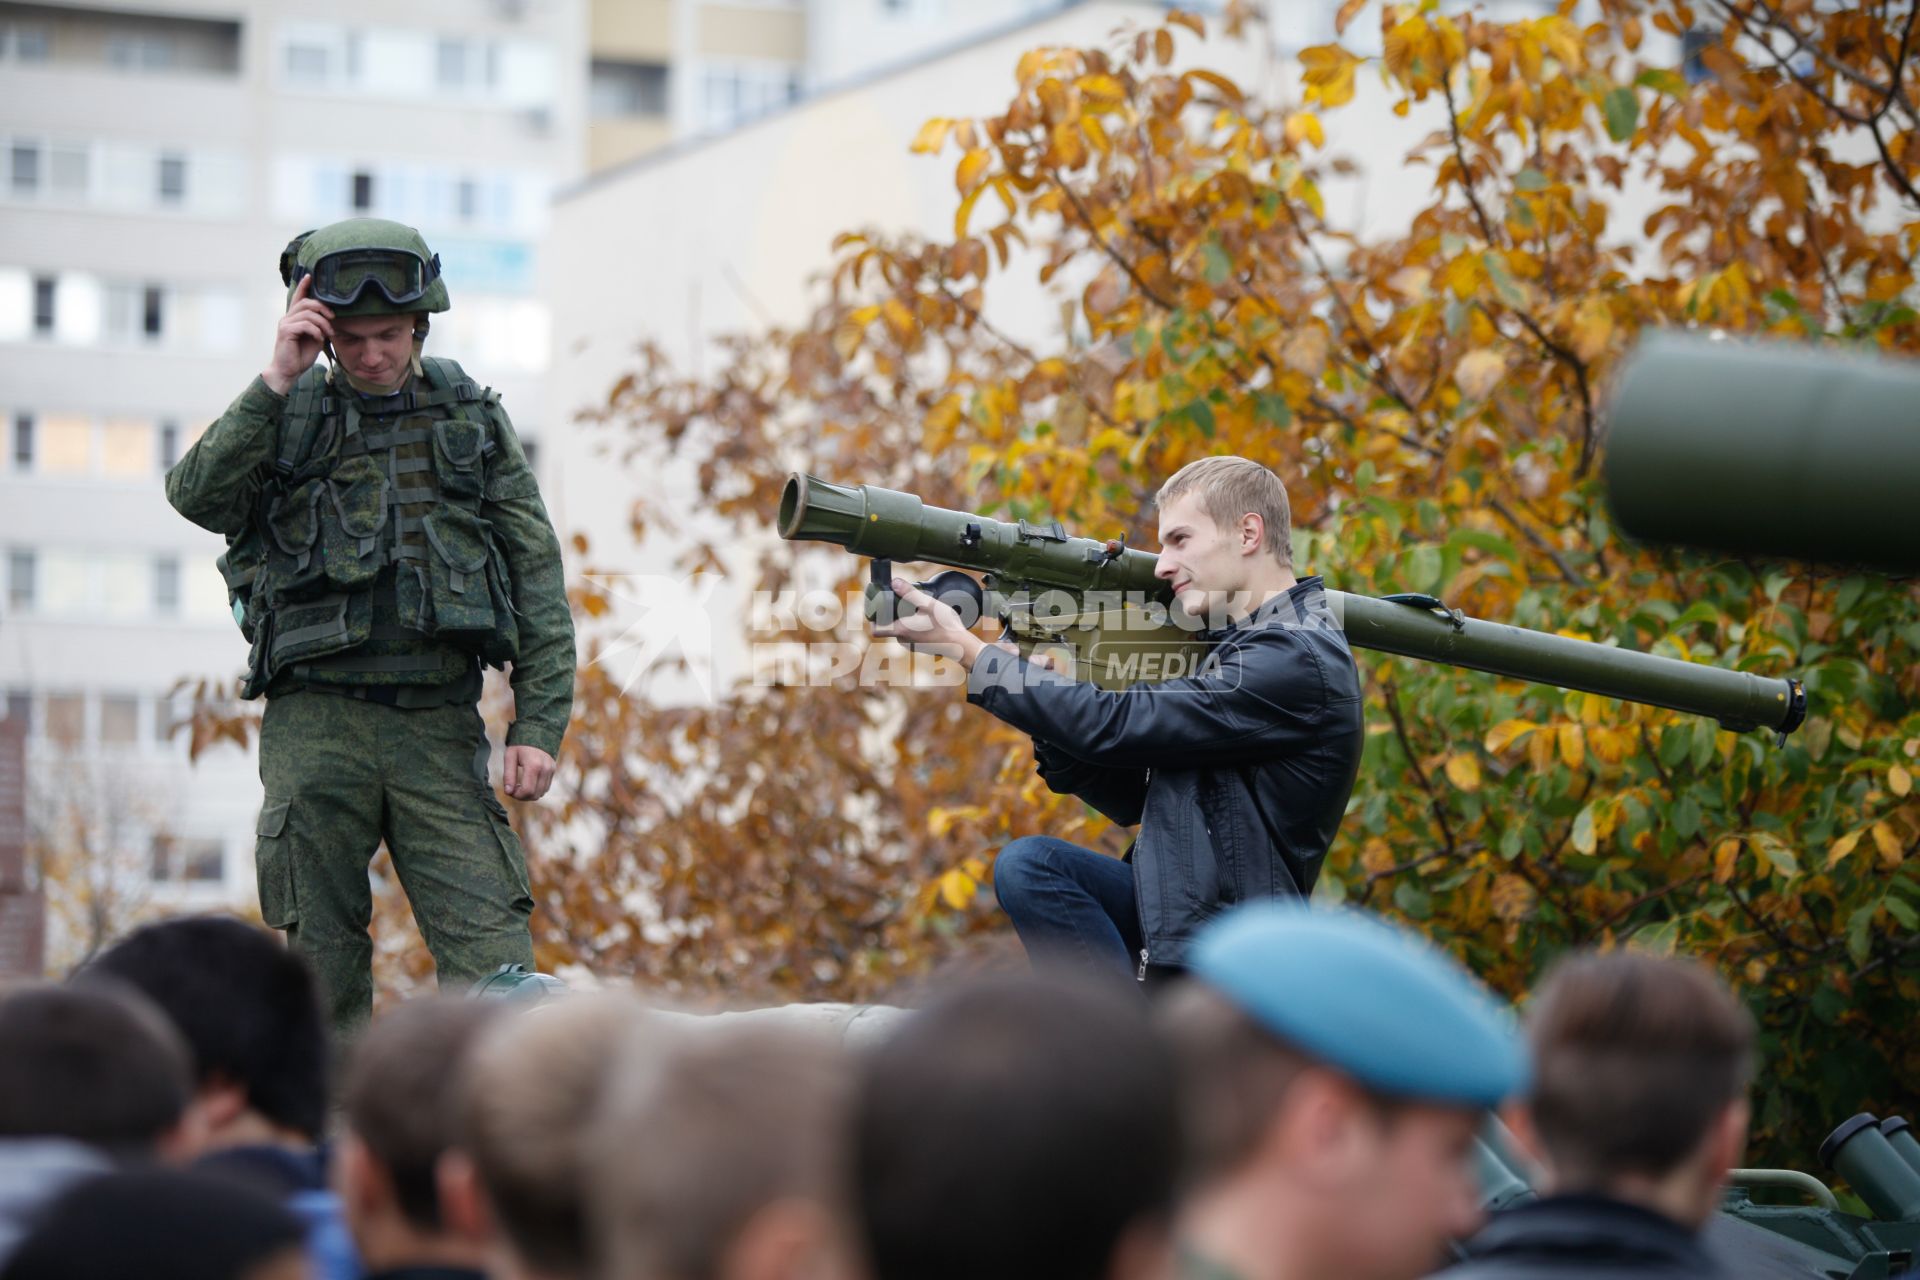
[351, 522]
[273, 864]
[295, 562]
[458, 444]
[458, 550]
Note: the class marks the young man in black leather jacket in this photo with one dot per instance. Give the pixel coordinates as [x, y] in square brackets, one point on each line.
[1236, 776]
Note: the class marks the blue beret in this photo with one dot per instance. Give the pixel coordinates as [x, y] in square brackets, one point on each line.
[1373, 1001]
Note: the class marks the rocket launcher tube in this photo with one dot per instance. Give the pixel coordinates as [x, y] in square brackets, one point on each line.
[890, 525]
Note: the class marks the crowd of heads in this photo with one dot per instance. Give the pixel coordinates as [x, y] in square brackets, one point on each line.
[174, 1109]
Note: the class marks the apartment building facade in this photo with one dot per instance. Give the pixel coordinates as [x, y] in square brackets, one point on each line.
[155, 157]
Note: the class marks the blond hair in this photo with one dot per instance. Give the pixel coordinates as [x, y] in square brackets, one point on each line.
[529, 1096]
[1230, 488]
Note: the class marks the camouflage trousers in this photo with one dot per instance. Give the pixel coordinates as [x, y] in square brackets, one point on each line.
[341, 775]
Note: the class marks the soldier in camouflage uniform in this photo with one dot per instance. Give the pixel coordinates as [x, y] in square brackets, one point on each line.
[385, 539]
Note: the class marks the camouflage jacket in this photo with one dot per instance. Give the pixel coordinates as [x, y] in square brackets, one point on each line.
[397, 556]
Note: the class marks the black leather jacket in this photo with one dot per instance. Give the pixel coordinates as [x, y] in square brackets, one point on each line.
[1590, 1237]
[1237, 776]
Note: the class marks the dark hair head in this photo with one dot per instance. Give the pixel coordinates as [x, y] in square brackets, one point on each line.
[100, 1066]
[156, 1225]
[247, 1006]
[1038, 1114]
[396, 1095]
[1635, 1056]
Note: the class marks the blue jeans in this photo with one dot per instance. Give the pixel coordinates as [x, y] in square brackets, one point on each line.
[1070, 905]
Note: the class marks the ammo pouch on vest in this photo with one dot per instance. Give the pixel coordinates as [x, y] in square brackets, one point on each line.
[460, 593]
[458, 445]
[350, 523]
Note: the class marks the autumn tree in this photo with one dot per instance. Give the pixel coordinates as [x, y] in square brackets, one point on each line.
[1435, 400]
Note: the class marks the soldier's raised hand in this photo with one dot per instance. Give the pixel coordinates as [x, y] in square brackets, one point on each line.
[303, 331]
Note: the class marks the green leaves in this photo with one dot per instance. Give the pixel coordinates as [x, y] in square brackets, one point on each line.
[1622, 109]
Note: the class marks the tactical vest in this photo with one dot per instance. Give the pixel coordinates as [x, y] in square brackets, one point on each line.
[367, 562]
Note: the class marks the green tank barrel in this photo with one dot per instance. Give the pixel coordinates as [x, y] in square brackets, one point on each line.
[1767, 449]
[890, 525]
[1859, 1152]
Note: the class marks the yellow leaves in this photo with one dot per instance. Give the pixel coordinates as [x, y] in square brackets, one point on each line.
[1842, 847]
[1096, 134]
[1228, 89]
[1411, 283]
[899, 318]
[1479, 372]
[1726, 859]
[964, 214]
[1463, 275]
[957, 889]
[1111, 439]
[1506, 733]
[1888, 843]
[1304, 126]
[1327, 71]
[1348, 12]
[1376, 856]
[1511, 897]
[1069, 145]
[1899, 781]
[1463, 770]
[1573, 745]
[932, 136]
[1192, 22]
[1101, 90]
[1305, 352]
[1419, 53]
[1592, 329]
[972, 170]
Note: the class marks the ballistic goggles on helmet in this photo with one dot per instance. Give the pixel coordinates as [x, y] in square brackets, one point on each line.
[398, 275]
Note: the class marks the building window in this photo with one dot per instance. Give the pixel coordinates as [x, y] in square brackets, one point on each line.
[736, 93]
[63, 444]
[362, 191]
[620, 90]
[119, 721]
[19, 708]
[187, 861]
[67, 171]
[152, 312]
[169, 445]
[126, 448]
[135, 52]
[450, 63]
[173, 179]
[23, 579]
[43, 305]
[166, 586]
[23, 442]
[308, 63]
[467, 198]
[67, 718]
[24, 43]
[24, 168]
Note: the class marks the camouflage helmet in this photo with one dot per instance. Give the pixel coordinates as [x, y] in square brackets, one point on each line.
[366, 267]
[518, 983]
